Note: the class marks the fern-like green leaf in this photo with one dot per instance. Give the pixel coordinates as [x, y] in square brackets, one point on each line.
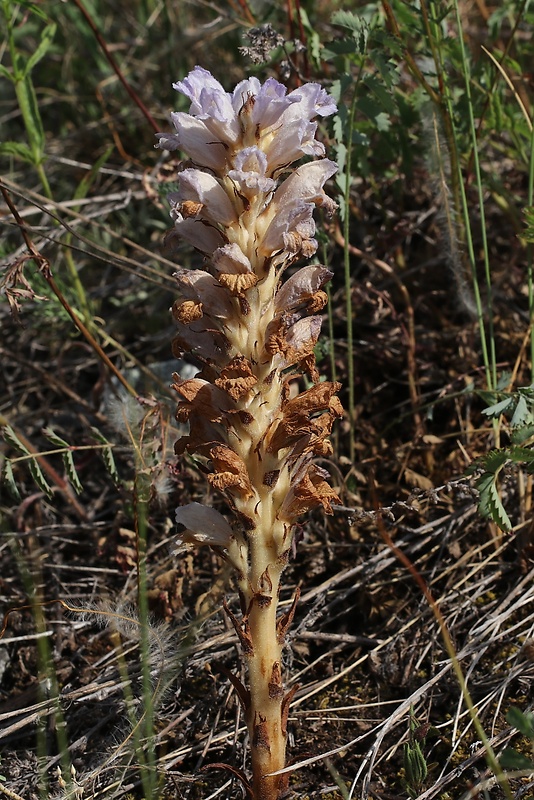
[356, 25]
[490, 462]
[490, 504]
[522, 414]
[8, 479]
[70, 469]
[53, 437]
[499, 408]
[38, 476]
[521, 455]
[520, 435]
[106, 454]
[11, 438]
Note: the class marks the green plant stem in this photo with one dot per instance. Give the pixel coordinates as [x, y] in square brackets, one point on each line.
[348, 281]
[331, 341]
[530, 254]
[141, 499]
[490, 357]
[32, 581]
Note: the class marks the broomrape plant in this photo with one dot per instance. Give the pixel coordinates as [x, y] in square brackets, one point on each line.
[242, 204]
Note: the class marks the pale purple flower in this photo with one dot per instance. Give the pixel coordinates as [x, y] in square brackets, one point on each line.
[297, 141]
[305, 183]
[211, 103]
[220, 124]
[269, 100]
[201, 287]
[203, 525]
[231, 260]
[194, 138]
[201, 187]
[249, 172]
[200, 234]
[294, 218]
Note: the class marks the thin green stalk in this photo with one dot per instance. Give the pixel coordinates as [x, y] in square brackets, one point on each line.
[444, 104]
[21, 77]
[490, 357]
[331, 342]
[142, 491]
[348, 282]
[530, 254]
[47, 677]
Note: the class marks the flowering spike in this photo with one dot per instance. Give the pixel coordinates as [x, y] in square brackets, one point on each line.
[243, 205]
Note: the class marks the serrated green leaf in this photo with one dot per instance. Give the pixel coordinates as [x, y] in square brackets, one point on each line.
[382, 93]
[521, 455]
[38, 477]
[109, 461]
[338, 89]
[520, 435]
[106, 454]
[498, 408]
[372, 108]
[383, 121]
[522, 414]
[9, 479]
[52, 437]
[487, 397]
[494, 460]
[11, 438]
[388, 69]
[70, 469]
[490, 504]
[511, 759]
[522, 720]
[342, 48]
[357, 26]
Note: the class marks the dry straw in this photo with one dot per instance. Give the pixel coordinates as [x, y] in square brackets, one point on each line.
[250, 212]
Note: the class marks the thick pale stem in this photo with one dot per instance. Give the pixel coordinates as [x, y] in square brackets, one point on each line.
[263, 632]
[266, 725]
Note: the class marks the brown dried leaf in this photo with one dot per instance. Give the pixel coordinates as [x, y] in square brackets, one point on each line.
[310, 492]
[300, 289]
[187, 312]
[237, 378]
[295, 344]
[238, 284]
[201, 399]
[189, 208]
[231, 473]
[297, 416]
